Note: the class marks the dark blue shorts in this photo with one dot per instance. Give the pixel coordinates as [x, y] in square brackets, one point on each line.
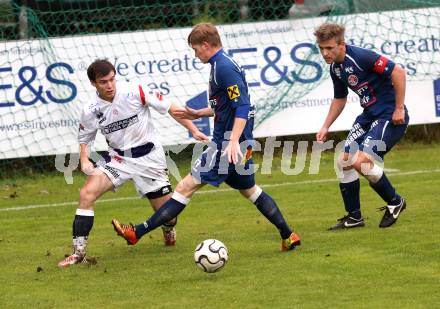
[213, 168]
[375, 137]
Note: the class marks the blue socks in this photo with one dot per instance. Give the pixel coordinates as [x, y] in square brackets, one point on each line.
[267, 206]
[386, 191]
[164, 214]
[350, 195]
[174, 206]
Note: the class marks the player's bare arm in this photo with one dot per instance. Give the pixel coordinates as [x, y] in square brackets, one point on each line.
[187, 123]
[87, 167]
[233, 149]
[192, 114]
[398, 76]
[204, 112]
[336, 108]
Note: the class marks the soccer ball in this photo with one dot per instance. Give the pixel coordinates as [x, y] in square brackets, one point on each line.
[211, 255]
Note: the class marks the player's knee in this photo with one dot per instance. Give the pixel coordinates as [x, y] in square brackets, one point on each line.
[346, 172]
[252, 194]
[186, 186]
[373, 174]
[182, 188]
[357, 166]
[362, 163]
[366, 167]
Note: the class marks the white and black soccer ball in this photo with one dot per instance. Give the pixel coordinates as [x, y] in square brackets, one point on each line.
[211, 255]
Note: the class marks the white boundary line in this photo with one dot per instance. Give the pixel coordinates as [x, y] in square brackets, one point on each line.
[305, 182]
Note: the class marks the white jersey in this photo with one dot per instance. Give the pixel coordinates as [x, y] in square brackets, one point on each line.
[126, 122]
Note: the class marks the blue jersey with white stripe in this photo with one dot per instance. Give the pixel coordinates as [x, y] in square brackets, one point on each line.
[368, 74]
[229, 98]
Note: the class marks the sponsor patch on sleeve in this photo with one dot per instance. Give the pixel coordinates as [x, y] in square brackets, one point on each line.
[233, 92]
[159, 95]
[380, 65]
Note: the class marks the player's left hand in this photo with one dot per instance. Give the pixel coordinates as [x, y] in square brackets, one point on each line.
[233, 152]
[321, 136]
[398, 116]
[200, 136]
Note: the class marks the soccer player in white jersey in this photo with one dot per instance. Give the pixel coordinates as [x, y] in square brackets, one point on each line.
[122, 114]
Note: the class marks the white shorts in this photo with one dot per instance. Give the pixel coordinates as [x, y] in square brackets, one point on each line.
[149, 173]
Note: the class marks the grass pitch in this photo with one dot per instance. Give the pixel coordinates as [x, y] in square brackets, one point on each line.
[361, 268]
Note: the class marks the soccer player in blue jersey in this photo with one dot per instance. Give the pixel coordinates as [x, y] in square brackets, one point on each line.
[380, 85]
[223, 160]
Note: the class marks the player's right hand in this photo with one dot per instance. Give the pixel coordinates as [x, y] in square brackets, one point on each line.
[187, 113]
[233, 152]
[321, 136]
[198, 135]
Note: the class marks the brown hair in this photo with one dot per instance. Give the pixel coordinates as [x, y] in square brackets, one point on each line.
[328, 31]
[99, 68]
[204, 32]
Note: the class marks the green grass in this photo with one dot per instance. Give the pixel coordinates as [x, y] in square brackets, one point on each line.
[361, 268]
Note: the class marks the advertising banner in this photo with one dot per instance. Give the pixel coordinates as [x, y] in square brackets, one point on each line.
[44, 85]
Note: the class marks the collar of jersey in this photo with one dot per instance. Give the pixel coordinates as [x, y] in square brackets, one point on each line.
[347, 48]
[216, 55]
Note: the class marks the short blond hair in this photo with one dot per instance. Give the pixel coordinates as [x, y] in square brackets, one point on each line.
[205, 32]
[328, 31]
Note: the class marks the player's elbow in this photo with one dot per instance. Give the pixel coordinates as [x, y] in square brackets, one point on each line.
[173, 111]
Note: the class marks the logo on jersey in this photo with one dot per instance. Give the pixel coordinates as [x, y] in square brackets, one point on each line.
[99, 115]
[121, 124]
[380, 65]
[233, 92]
[94, 108]
[366, 94]
[337, 72]
[117, 159]
[159, 96]
[352, 80]
[349, 70]
[81, 127]
[213, 103]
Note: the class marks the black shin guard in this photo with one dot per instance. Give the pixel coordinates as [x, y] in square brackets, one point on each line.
[82, 225]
